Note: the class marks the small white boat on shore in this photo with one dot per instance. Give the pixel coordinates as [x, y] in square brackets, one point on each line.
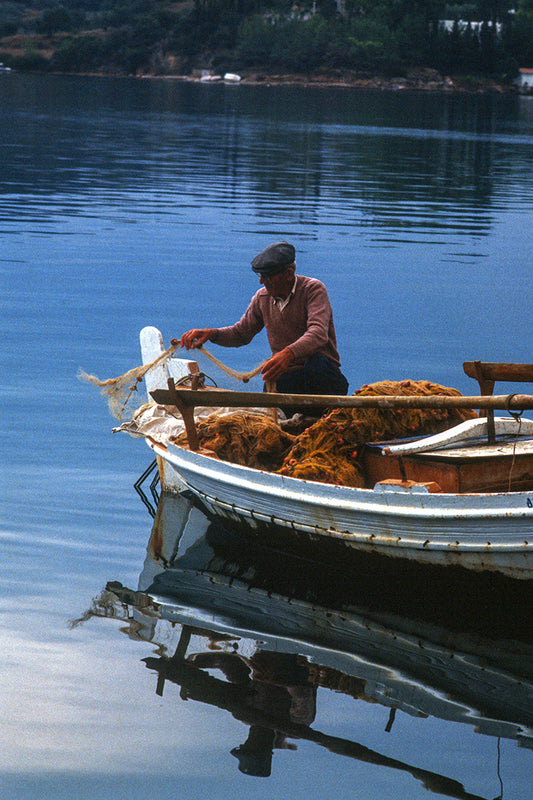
[406, 514]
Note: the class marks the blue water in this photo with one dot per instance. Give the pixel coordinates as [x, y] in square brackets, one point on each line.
[125, 203]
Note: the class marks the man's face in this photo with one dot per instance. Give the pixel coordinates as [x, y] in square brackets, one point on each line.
[280, 284]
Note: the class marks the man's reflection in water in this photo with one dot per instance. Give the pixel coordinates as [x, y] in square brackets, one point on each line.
[277, 684]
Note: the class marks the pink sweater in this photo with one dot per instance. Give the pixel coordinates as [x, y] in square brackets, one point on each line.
[305, 324]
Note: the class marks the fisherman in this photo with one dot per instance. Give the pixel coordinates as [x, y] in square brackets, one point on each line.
[297, 315]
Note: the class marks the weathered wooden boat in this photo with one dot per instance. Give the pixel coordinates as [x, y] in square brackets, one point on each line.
[214, 601]
[464, 498]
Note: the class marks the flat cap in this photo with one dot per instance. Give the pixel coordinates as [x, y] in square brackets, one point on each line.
[274, 258]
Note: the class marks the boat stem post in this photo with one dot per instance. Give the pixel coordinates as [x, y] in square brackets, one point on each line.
[187, 412]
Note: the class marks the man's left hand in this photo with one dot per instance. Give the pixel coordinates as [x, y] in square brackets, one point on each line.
[277, 365]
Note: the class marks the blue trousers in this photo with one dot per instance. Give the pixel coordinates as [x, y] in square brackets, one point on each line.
[319, 375]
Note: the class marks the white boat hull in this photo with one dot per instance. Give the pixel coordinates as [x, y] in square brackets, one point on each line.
[491, 531]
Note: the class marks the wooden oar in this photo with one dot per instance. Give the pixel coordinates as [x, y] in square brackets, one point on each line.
[186, 400]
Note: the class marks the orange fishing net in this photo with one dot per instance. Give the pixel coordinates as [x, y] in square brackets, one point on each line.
[253, 440]
[329, 451]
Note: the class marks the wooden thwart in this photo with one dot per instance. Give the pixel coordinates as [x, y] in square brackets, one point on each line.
[219, 398]
[487, 373]
[186, 400]
[496, 371]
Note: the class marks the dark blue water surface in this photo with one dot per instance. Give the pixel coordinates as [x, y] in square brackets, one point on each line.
[125, 203]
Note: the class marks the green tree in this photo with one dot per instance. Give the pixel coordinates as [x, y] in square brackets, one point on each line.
[59, 18]
[379, 35]
[78, 54]
[520, 35]
[372, 46]
[11, 15]
[493, 10]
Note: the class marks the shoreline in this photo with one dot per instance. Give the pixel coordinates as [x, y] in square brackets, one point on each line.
[423, 80]
[167, 66]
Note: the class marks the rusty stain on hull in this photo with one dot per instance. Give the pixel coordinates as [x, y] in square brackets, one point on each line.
[517, 563]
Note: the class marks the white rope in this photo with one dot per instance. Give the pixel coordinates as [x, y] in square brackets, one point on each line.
[240, 376]
[119, 390]
[137, 373]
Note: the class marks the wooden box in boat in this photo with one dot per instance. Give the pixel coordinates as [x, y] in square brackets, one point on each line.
[500, 467]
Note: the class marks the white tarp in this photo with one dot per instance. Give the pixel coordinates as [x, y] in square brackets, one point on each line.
[156, 421]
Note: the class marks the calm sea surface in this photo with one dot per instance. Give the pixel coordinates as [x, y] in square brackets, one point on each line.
[126, 203]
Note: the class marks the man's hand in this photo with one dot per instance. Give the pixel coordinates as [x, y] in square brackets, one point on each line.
[277, 365]
[195, 338]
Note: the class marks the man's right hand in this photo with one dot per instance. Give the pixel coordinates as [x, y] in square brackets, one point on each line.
[195, 337]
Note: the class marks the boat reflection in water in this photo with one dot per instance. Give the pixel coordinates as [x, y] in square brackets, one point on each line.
[242, 628]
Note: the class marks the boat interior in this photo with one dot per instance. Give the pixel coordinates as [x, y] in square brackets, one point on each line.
[492, 462]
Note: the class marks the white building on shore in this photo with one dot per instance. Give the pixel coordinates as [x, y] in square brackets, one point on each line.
[524, 80]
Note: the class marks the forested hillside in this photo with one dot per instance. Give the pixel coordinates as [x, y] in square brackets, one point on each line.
[163, 37]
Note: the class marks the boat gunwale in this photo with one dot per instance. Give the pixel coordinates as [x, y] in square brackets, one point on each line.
[395, 502]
